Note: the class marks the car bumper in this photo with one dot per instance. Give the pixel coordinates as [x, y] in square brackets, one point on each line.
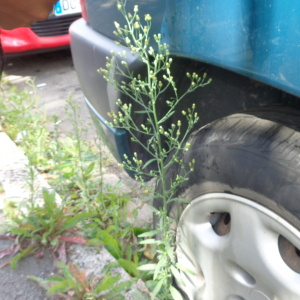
[89, 50]
[25, 40]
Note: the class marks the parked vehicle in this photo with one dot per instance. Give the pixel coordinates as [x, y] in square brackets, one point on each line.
[241, 235]
[51, 34]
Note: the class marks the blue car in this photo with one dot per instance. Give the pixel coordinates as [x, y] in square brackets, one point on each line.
[241, 232]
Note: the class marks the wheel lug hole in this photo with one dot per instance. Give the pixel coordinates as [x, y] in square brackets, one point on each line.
[289, 253]
[297, 251]
[226, 219]
[221, 223]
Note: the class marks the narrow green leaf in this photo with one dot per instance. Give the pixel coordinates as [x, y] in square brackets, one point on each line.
[157, 289]
[55, 278]
[175, 294]
[150, 198]
[137, 231]
[149, 233]
[73, 221]
[108, 267]
[170, 252]
[141, 111]
[158, 267]
[136, 257]
[117, 186]
[166, 117]
[23, 253]
[152, 208]
[148, 163]
[129, 266]
[46, 285]
[89, 169]
[177, 275]
[184, 269]
[126, 231]
[121, 287]
[147, 267]
[107, 283]
[129, 252]
[60, 287]
[111, 244]
[150, 242]
[178, 200]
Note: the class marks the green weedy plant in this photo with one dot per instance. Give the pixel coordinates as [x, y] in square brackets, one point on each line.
[21, 119]
[74, 284]
[42, 227]
[75, 169]
[146, 93]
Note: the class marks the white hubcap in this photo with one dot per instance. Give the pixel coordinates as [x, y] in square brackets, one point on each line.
[231, 244]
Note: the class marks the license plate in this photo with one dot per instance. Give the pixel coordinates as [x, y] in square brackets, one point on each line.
[66, 7]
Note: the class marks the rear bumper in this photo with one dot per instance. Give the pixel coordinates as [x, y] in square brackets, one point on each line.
[25, 40]
[89, 50]
[115, 139]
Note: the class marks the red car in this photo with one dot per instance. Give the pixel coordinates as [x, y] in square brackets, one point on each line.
[43, 36]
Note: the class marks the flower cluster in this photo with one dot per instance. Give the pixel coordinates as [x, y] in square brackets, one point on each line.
[165, 143]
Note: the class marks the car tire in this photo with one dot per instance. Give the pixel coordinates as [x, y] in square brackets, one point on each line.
[240, 233]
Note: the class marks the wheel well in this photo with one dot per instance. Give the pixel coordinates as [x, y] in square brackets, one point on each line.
[228, 93]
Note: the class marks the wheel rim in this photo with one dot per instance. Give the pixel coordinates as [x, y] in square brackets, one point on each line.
[252, 256]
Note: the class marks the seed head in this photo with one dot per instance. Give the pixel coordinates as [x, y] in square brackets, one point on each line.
[148, 18]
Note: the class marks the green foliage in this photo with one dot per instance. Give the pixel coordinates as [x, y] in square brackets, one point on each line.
[122, 251]
[74, 168]
[43, 226]
[164, 143]
[74, 284]
[25, 124]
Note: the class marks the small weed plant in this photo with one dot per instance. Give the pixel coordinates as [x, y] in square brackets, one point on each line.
[38, 228]
[146, 92]
[89, 213]
[74, 284]
[25, 124]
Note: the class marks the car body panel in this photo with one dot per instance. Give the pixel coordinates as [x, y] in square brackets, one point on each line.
[114, 139]
[247, 47]
[89, 52]
[51, 34]
[257, 38]
[102, 14]
[25, 40]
